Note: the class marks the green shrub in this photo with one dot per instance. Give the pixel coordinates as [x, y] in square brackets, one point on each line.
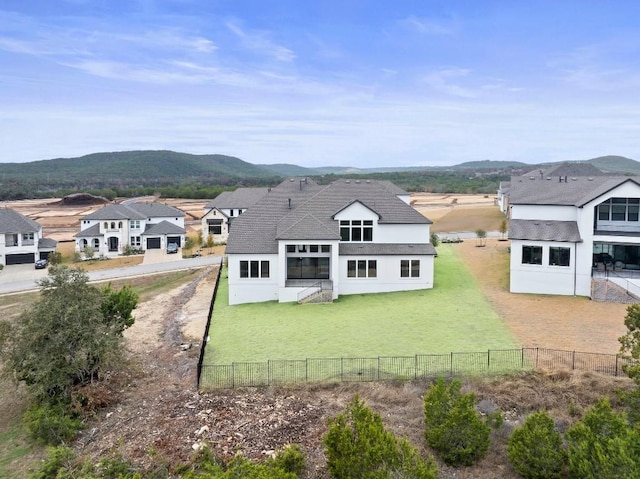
[435, 239]
[51, 424]
[535, 449]
[602, 445]
[357, 445]
[290, 459]
[55, 257]
[453, 428]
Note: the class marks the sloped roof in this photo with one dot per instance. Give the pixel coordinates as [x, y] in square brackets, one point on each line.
[569, 169]
[47, 244]
[240, 198]
[301, 209]
[544, 230]
[163, 228]
[134, 211]
[93, 230]
[576, 191]
[13, 222]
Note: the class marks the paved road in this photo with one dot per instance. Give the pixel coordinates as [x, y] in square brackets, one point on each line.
[20, 278]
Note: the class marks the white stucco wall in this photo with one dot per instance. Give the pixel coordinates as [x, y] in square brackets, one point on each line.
[252, 290]
[543, 212]
[544, 278]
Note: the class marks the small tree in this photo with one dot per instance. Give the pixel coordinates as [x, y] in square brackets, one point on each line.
[480, 237]
[503, 228]
[453, 428]
[89, 252]
[435, 239]
[188, 244]
[210, 242]
[200, 240]
[535, 449]
[357, 445]
[602, 446]
[55, 257]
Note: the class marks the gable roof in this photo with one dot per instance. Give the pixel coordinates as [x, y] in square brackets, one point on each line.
[13, 222]
[240, 198]
[568, 169]
[134, 211]
[302, 210]
[575, 191]
[93, 230]
[544, 230]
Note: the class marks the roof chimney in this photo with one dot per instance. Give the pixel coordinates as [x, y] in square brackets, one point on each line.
[289, 203]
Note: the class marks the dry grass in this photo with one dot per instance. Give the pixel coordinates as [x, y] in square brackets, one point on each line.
[468, 218]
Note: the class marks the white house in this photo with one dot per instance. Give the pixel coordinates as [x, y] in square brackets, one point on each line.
[563, 228]
[139, 225]
[21, 240]
[349, 237]
[220, 212]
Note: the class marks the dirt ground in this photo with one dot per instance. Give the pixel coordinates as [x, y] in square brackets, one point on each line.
[159, 416]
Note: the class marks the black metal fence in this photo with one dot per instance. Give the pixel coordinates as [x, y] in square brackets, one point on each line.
[323, 370]
[205, 337]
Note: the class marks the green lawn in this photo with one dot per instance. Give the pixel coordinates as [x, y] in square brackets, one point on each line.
[452, 317]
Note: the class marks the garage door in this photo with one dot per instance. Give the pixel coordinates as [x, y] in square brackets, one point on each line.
[23, 258]
[153, 243]
[174, 239]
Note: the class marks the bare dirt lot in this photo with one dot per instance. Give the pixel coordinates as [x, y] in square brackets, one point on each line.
[158, 408]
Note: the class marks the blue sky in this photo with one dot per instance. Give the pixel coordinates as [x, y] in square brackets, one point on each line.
[318, 83]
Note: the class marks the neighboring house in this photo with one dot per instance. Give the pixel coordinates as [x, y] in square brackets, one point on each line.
[349, 237]
[139, 225]
[563, 228]
[21, 240]
[220, 212]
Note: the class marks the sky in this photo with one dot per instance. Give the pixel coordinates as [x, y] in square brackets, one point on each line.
[322, 83]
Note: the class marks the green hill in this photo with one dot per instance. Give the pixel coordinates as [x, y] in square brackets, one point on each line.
[131, 166]
[616, 164]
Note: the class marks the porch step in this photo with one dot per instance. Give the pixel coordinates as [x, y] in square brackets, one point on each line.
[604, 290]
[324, 296]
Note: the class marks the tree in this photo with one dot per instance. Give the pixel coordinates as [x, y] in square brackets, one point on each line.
[453, 428]
[535, 449]
[210, 242]
[67, 336]
[630, 352]
[480, 237]
[435, 239]
[603, 446]
[357, 445]
[504, 226]
[89, 252]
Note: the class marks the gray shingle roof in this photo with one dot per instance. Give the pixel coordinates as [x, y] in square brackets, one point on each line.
[46, 244]
[544, 230]
[311, 215]
[576, 191]
[240, 198]
[13, 222]
[163, 228]
[386, 249]
[566, 169]
[93, 230]
[134, 211]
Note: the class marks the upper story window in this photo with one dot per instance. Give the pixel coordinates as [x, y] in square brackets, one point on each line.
[619, 209]
[356, 230]
[134, 224]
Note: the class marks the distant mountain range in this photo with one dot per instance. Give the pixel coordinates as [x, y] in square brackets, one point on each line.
[167, 166]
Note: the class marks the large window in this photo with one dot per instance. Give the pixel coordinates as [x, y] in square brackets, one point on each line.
[135, 241]
[619, 209]
[134, 224]
[254, 269]
[308, 267]
[532, 255]
[362, 268]
[215, 226]
[559, 256]
[410, 268]
[356, 230]
[27, 238]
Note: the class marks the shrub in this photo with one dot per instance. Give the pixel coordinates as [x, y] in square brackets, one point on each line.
[453, 428]
[535, 449]
[51, 424]
[357, 445]
[602, 445]
[290, 459]
[55, 257]
[435, 239]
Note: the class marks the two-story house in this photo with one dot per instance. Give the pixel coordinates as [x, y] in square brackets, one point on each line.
[563, 228]
[141, 226]
[349, 237]
[21, 240]
[221, 211]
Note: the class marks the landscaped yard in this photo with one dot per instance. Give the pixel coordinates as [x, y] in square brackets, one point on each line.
[452, 317]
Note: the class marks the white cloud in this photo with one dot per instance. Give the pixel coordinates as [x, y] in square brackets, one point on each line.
[258, 41]
[427, 26]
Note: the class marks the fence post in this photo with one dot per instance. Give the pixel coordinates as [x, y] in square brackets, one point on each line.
[573, 361]
[537, 353]
[451, 365]
[233, 375]
[268, 372]
[341, 369]
[522, 358]
[415, 367]
[488, 359]
[616, 372]
[306, 370]
[378, 368]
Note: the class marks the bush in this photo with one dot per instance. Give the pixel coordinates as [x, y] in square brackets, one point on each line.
[435, 239]
[602, 445]
[290, 459]
[55, 257]
[358, 446]
[535, 449]
[51, 424]
[453, 428]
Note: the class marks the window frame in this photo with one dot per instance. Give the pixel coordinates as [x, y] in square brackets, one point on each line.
[557, 256]
[531, 257]
[409, 268]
